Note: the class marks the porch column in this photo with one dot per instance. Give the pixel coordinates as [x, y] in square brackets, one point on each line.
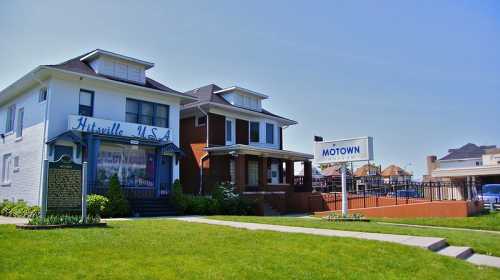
[263, 173]
[307, 176]
[289, 172]
[240, 168]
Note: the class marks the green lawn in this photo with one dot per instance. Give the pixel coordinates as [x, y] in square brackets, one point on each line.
[481, 242]
[166, 249]
[489, 221]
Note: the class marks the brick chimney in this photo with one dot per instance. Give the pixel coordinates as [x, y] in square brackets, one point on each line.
[431, 165]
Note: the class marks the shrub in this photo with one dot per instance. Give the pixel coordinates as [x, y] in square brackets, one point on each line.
[19, 209]
[179, 201]
[62, 220]
[96, 205]
[118, 204]
[230, 202]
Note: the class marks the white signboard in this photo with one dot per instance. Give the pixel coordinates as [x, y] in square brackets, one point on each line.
[346, 150]
[115, 128]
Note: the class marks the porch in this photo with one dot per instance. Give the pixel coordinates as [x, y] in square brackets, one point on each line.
[258, 170]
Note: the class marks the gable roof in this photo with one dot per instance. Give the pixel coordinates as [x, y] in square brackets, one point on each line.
[208, 94]
[364, 170]
[80, 67]
[394, 170]
[468, 150]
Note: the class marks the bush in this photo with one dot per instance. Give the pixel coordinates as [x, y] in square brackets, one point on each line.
[118, 205]
[19, 209]
[96, 205]
[62, 220]
[179, 200]
[224, 200]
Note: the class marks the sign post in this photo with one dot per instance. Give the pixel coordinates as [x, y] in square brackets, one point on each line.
[342, 152]
[84, 192]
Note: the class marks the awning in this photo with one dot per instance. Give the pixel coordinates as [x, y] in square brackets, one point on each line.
[259, 151]
[173, 149]
[81, 138]
[72, 136]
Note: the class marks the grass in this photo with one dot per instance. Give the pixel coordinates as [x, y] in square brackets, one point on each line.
[490, 221]
[166, 249]
[481, 242]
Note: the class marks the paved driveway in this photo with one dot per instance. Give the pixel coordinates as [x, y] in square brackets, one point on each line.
[12, 221]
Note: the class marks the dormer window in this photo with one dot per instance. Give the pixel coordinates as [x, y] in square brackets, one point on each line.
[118, 66]
[244, 98]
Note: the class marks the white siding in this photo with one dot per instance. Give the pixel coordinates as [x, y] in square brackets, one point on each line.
[109, 103]
[459, 163]
[119, 68]
[25, 182]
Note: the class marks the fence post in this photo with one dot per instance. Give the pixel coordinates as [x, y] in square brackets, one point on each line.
[84, 192]
[396, 194]
[364, 197]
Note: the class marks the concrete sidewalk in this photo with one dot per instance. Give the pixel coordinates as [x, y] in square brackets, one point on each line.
[434, 244]
[12, 221]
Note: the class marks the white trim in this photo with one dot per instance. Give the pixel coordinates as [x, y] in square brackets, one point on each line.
[458, 159]
[242, 90]
[467, 171]
[98, 52]
[233, 131]
[283, 121]
[246, 149]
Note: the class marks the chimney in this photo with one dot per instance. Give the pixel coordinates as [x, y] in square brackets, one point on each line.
[431, 165]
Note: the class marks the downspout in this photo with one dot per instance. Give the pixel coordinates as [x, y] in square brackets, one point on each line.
[200, 191]
[44, 137]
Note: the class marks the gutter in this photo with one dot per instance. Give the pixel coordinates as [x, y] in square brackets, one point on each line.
[44, 137]
[205, 155]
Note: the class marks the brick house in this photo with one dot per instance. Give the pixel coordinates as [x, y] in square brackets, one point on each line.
[228, 137]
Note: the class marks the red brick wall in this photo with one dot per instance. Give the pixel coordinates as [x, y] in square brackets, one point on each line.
[425, 209]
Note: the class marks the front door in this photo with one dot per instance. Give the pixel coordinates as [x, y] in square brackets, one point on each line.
[165, 174]
[274, 173]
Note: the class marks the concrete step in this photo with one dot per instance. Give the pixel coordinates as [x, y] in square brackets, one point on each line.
[456, 252]
[486, 260]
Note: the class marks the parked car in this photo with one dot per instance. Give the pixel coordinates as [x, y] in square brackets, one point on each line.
[490, 193]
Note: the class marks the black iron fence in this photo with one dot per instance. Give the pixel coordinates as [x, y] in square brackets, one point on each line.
[396, 193]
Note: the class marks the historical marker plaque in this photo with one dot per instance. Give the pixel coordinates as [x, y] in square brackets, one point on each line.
[64, 187]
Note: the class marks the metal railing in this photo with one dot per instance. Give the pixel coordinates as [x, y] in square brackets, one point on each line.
[397, 193]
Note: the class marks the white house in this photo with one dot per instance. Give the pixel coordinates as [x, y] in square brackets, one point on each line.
[99, 107]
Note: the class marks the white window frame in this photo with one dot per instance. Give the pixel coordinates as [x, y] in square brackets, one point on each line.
[253, 165]
[274, 133]
[198, 124]
[16, 164]
[233, 131]
[6, 169]
[250, 132]
[42, 95]
[10, 120]
[20, 121]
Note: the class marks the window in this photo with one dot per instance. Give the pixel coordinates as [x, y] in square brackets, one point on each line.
[20, 118]
[148, 113]
[269, 133]
[86, 107]
[135, 167]
[254, 132]
[201, 121]
[253, 173]
[42, 94]
[478, 163]
[6, 168]
[11, 117]
[16, 164]
[229, 131]
[60, 150]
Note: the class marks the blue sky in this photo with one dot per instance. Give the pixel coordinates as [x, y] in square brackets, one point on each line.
[419, 76]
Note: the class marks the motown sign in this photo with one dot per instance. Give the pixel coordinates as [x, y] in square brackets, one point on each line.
[346, 150]
[115, 128]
